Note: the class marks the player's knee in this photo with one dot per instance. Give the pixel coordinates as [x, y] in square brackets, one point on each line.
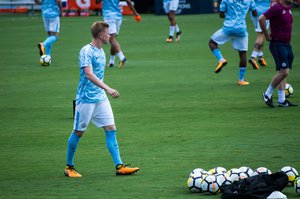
[79, 133]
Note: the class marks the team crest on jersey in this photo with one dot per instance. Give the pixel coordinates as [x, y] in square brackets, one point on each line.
[283, 12]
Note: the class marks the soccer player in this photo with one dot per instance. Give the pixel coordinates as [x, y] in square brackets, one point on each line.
[113, 16]
[281, 20]
[261, 7]
[170, 7]
[92, 103]
[235, 30]
[51, 11]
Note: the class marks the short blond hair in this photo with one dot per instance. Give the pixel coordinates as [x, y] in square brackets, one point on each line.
[98, 27]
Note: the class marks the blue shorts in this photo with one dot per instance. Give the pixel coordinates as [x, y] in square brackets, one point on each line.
[282, 54]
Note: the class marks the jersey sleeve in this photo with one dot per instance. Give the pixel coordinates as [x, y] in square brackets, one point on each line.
[272, 11]
[85, 58]
[223, 6]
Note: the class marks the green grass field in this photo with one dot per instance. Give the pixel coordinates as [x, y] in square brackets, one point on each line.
[174, 115]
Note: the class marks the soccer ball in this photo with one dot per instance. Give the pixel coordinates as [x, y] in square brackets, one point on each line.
[291, 172]
[196, 171]
[247, 170]
[221, 178]
[217, 170]
[45, 60]
[234, 174]
[194, 183]
[210, 184]
[297, 185]
[288, 90]
[261, 170]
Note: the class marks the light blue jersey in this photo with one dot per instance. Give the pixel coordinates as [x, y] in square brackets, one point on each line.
[50, 8]
[262, 6]
[87, 91]
[111, 10]
[235, 16]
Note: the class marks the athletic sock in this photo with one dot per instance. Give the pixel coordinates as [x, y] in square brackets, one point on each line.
[269, 91]
[172, 30]
[217, 53]
[112, 146]
[281, 96]
[112, 59]
[242, 71]
[177, 28]
[72, 145]
[48, 43]
[121, 55]
[254, 54]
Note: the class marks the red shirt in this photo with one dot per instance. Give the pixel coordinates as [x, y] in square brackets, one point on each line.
[281, 21]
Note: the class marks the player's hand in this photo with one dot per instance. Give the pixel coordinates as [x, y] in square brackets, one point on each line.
[268, 37]
[138, 18]
[114, 93]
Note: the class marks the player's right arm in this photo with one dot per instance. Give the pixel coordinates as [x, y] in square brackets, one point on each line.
[88, 70]
[38, 2]
[223, 9]
[262, 22]
[59, 4]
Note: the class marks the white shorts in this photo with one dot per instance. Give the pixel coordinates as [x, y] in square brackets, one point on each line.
[51, 24]
[238, 43]
[114, 25]
[171, 6]
[256, 24]
[100, 114]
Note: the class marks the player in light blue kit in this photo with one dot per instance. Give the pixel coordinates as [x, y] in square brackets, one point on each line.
[235, 30]
[113, 16]
[92, 103]
[51, 11]
[170, 7]
[261, 7]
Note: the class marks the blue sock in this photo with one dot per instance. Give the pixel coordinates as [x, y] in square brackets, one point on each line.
[217, 53]
[112, 146]
[242, 73]
[72, 145]
[48, 43]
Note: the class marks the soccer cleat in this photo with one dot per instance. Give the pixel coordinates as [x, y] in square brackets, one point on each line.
[71, 172]
[41, 49]
[268, 100]
[243, 83]
[253, 63]
[169, 39]
[178, 35]
[262, 61]
[286, 103]
[220, 65]
[122, 63]
[122, 169]
[110, 65]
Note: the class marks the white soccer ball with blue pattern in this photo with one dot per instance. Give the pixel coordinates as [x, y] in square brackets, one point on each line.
[261, 170]
[45, 60]
[297, 185]
[210, 184]
[291, 173]
[194, 183]
[247, 170]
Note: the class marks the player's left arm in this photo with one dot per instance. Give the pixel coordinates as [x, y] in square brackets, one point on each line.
[137, 16]
[60, 7]
[262, 22]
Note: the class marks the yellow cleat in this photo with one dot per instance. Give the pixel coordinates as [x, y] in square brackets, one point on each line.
[253, 63]
[122, 63]
[41, 49]
[71, 172]
[122, 169]
[220, 65]
[262, 61]
[243, 83]
[169, 39]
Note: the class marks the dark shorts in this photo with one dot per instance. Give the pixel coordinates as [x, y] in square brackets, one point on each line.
[282, 54]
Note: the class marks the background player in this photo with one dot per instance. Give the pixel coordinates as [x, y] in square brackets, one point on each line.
[170, 7]
[92, 103]
[234, 29]
[281, 21]
[113, 16]
[261, 7]
[51, 11]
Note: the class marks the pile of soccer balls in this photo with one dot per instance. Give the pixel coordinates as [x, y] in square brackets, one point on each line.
[202, 181]
[45, 60]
